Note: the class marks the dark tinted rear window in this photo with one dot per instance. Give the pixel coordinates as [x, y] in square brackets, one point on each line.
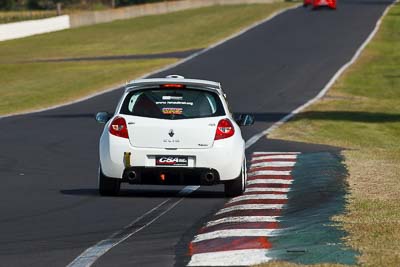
[172, 104]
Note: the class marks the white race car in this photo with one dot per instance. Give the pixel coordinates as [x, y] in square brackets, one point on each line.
[172, 131]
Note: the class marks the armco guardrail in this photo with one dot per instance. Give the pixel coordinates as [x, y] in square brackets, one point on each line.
[21, 29]
[27, 28]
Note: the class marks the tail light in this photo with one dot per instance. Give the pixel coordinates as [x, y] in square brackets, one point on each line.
[118, 127]
[224, 129]
[172, 85]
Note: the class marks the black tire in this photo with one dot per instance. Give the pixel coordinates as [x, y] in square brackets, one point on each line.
[236, 187]
[108, 186]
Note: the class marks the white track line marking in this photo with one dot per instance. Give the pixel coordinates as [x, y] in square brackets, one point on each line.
[276, 153]
[328, 86]
[235, 233]
[257, 196]
[251, 207]
[257, 173]
[275, 157]
[90, 255]
[269, 181]
[187, 190]
[266, 189]
[243, 219]
[273, 164]
[244, 257]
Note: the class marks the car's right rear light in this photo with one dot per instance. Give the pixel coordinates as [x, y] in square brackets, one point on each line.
[118, 127]
[224, 130]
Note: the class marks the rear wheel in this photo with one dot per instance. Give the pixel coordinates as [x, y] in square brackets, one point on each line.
[237, 186]
[108, 186]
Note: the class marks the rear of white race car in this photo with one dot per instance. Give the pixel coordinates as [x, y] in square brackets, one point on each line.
[171, 136]
[137, 161]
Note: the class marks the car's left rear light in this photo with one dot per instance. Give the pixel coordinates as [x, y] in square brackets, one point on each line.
[118, 127]
[224, 130]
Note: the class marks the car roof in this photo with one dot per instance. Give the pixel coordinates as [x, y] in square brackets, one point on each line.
[174, 79]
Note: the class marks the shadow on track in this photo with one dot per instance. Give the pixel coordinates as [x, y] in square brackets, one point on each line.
[70, 116]
[145, 193]
[356, 116]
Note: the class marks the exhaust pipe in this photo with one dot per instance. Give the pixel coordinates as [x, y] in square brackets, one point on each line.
[208, 178]
[132, 176]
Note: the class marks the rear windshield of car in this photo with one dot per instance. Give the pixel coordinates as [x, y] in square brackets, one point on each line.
[172, 104]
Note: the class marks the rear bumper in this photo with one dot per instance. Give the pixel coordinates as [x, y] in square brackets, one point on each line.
[170, 176]
[225, 157]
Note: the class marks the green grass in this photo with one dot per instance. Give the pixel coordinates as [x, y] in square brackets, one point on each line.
[26, 85]
[38, 85]
[361, 113]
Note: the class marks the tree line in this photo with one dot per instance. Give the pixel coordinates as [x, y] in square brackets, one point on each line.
[76, 4]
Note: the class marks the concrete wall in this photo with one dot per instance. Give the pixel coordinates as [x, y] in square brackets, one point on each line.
[27, 28]
[31, 27]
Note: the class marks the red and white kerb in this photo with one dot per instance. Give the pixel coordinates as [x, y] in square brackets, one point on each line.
[238, 233]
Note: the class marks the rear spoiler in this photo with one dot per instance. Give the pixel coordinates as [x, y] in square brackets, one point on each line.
[148, 85]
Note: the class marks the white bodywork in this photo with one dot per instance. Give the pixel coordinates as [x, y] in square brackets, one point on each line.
[148, 137]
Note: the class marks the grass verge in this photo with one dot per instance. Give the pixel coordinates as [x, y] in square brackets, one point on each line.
[361, 113]
[26, 85]
[38, 85]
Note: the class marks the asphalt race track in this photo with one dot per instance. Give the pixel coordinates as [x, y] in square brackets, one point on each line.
[50, 209]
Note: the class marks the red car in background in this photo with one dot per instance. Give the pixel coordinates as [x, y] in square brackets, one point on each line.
[317, 3]
[307, 3]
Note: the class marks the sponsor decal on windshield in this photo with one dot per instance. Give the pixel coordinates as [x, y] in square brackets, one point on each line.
[172, 111]
[174, 103]
[168, 97]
